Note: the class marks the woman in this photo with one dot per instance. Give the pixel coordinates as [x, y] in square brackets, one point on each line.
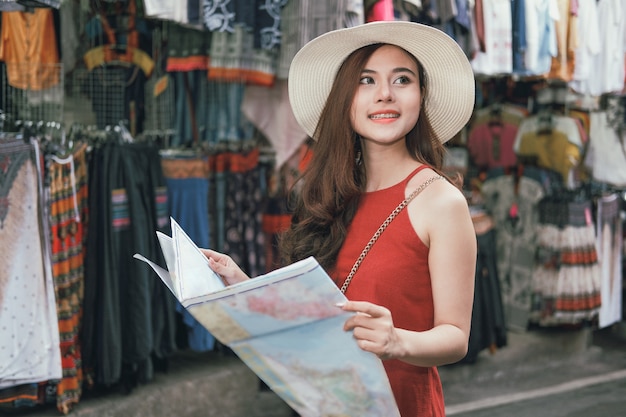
[380, 100]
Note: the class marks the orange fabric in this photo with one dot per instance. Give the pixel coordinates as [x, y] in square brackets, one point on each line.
[97, 56]
[29, 49]
[306, 153]
[187, 63]
[567, 41]
[276, 223]
[578, 303]
[68, 218]
[175, 168]
[234, 162]
[111, 52]
[254, 77]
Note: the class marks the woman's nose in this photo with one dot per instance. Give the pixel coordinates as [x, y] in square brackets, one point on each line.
[384, 93]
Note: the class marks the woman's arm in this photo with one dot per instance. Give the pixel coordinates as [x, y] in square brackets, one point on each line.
[446, 223]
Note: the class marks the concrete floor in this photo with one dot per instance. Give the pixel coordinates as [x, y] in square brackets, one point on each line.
[215, 384]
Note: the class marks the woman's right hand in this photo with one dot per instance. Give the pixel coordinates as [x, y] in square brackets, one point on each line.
[225, 267]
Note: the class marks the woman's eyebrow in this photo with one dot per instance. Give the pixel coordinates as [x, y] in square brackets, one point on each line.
[395, 71]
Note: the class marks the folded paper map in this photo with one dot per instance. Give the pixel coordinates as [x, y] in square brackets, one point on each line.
[286, 327]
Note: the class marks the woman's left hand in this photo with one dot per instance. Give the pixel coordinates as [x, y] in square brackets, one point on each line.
[373, 329]
[225, 267]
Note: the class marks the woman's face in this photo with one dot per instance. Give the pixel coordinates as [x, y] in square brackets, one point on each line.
[387, 102]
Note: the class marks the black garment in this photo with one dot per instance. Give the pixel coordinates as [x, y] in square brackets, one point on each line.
[129, 316]
[117, 94]
[488, 323]
[244, 240]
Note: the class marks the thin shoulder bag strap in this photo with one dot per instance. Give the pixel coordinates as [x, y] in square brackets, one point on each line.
[383, 226]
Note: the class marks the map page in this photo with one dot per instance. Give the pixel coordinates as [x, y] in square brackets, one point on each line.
[287, 328]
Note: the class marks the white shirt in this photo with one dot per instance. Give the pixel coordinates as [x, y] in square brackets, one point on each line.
[608, 65]
[540, 35]
[606, 155]
[589, 44]
[498, 24]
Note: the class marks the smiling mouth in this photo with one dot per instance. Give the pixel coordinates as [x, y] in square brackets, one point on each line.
[384, 116]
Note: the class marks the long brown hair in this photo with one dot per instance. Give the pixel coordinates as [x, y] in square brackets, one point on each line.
[333, 181]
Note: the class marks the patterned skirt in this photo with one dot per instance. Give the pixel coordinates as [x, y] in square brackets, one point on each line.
[566, 283]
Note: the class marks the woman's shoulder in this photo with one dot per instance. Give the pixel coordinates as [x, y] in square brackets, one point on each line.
[443, 216]
[440, 201]
[427, 178]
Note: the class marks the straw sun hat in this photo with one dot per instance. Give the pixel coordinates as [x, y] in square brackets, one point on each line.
[449, 99]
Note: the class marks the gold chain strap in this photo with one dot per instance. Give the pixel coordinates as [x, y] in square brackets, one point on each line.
[382, 227]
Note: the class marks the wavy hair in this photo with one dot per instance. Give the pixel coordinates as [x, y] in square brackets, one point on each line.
[333, 181]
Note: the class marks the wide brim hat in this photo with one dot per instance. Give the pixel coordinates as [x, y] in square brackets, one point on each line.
[449, 99]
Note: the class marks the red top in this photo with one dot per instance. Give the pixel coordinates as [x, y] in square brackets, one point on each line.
[394, 274]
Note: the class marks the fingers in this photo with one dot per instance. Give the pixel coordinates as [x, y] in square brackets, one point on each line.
[366, 308]
[225, 267]
[373, 347]
[216, 266]
[217, 256]
[366, 314]
[219, 262]
[376, 341]
[372, 327]
[360, 320]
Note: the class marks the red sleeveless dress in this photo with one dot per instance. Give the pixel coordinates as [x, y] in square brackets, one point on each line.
[394, 274]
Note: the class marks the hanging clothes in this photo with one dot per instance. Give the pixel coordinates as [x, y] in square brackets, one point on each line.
[40, 3]
[190, 91]
[269, 111]
[569, 126]
[552, 150]
[68, 206]
[234, 59]
[304, 20]
[187, 179]
[490, 139]
[511, 199]
[28, 46]
[608, 65]
[118, 68]
[589, 44]
[243, 199]
[610, 245]
[129, 316]
[566, 278]
[551, 141]
[498, 27]
[519, 37]
[566, 40]
[606, 154]
[488, 329]
[187, 49]
[125, 45]
[540, 36]
[29, 352]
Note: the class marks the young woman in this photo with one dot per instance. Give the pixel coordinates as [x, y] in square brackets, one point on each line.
[380, 100]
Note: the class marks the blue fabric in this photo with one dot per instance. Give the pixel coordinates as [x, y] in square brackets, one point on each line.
[518, 13]
[188, 199]
[183, 128]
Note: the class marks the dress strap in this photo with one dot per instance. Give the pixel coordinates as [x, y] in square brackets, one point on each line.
[415, 172]
[384, 225]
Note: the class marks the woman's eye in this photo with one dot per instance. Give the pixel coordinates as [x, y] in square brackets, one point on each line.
[403, 80]
[366, 80]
